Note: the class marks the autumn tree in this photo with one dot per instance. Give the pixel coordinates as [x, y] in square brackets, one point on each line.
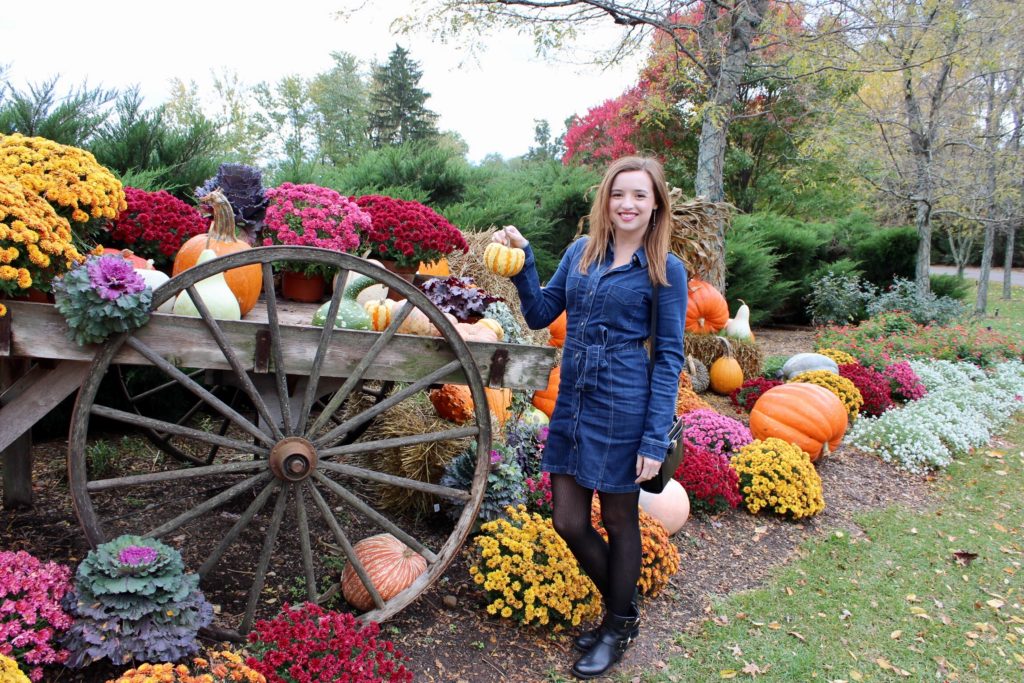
[724, 33]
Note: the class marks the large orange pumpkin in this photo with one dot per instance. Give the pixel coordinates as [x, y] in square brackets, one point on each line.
[706, 309]
[557, 331]
[500, 402]
[245, 282]
[544, 399]
[807, 415]
[391, 565]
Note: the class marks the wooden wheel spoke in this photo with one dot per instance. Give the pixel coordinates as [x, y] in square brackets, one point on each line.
[334, 435]
[261, 567]
[381, 521]
[208, 505]
[352, 381]
[232, 535]
[321, 350]
[135, 398]
[304, 544]
[458, 495]
[178, 475]
[232, 358]
[346, 546]
[180, 430]
[199, 390]
[276, 348]
[398, 441]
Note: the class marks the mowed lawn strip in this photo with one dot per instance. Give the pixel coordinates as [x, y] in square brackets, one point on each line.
[933, 594]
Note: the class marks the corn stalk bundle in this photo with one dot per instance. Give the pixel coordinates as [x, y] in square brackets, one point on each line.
[695, 235]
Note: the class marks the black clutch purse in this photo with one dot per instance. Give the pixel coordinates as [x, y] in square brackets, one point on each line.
[674, 454]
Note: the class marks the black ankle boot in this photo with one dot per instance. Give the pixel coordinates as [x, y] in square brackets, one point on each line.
[617, 632]
[587, 639]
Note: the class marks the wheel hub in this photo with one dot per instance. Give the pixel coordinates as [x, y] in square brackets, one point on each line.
[293, 459]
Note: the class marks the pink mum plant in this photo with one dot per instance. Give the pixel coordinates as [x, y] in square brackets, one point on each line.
[31, 616]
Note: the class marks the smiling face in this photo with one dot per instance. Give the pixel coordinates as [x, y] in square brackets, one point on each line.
[631, 203]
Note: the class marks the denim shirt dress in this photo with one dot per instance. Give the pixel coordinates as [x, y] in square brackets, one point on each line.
[610, 407]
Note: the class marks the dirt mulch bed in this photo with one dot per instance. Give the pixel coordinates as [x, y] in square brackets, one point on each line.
[722, 554]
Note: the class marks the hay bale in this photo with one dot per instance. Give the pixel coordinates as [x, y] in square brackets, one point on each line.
[471, 264]
[423, 462]
[707, 348]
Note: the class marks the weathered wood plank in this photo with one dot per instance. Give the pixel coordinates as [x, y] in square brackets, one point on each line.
[38, 331]
[36, 394]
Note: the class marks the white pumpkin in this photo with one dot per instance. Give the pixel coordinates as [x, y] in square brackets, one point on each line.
[153, 279]
[671, 507]
[739, 327]
[214, 292]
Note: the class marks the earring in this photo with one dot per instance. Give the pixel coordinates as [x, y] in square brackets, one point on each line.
[654, 217]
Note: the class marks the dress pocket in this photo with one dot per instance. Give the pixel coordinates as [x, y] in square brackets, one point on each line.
[627, 304]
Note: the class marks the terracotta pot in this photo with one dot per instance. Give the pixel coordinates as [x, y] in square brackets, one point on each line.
[31, 295]
[301, 287]
[407, 273]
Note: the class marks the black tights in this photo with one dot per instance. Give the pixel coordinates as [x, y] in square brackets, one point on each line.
[614, 567]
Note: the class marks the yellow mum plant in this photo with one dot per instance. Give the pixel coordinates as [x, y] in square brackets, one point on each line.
[9, 671]
[840, 357]
[220, 667]
[778, 476]
[529, 574]
[842, 387]
[660, 559]
[35, 243]
[69, 178]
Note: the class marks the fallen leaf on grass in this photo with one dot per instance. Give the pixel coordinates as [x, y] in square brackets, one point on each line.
[753, 669]
[999, 527]
[797, 636]
[995, 604]
[895, 635]
[728, 673]
[964, 558]
[856, 675]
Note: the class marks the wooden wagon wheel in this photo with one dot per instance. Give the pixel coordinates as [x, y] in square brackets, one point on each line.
[291, 465]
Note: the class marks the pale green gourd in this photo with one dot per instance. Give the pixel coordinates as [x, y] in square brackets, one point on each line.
[351, 314]
[214, 292]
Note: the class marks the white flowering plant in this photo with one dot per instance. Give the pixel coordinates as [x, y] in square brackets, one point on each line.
[963, 408]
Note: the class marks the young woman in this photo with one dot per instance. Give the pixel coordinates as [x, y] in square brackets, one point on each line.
[609, 428]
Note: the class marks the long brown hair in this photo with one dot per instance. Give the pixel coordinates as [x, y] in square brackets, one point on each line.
[656, 239]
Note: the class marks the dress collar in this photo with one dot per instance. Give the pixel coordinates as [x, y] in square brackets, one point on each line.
[639, 256]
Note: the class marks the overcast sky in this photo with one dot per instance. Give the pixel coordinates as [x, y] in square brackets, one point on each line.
[115, 43]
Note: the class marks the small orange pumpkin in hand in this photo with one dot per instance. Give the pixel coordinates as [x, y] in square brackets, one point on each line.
[504, 261]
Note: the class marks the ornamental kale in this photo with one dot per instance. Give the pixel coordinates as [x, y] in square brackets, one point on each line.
[102, 297]
[458, 296]
[243, 186]
[308, 644]
[525, 441]
[30, 611]
[135, 587]
[500, 312]
[505, 484]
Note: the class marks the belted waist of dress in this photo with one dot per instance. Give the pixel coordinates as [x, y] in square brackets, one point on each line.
[590, 359]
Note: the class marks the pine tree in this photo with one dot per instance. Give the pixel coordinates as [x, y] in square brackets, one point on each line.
[397, 104]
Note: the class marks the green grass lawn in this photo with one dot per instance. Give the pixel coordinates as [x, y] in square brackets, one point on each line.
[931, 594]
[1001, 315]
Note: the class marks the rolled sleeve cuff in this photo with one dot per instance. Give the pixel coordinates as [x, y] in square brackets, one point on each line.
[655, 450]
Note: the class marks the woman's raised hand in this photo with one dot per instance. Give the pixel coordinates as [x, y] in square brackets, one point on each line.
[510, 237]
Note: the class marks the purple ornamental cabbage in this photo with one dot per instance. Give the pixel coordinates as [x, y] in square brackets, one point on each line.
[243, 186]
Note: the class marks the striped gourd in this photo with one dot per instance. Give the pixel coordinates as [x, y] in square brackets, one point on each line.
[390, 564]
[502, 260]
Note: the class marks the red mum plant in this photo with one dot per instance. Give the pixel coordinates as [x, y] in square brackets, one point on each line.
[407, 232]
[711, 484]
[873, 386]
[155, 225]
[747, 394]
[308, 644]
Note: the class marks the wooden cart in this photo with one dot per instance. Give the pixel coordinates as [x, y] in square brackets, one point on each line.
[295, 457]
